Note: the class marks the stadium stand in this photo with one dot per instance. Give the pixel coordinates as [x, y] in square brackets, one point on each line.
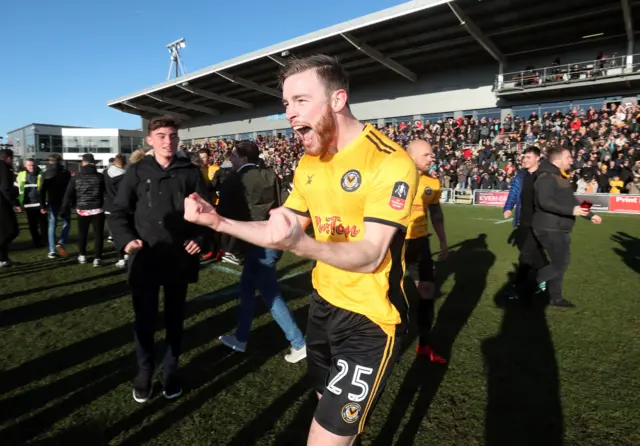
[481, 80]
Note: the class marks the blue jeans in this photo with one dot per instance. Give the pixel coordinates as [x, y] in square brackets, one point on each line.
[259, 272]
[53, 224]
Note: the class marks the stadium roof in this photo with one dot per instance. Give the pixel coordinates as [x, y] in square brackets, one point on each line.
[405, 42]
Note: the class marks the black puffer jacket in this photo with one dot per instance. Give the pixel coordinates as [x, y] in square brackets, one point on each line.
[85, 191]
[553, 200]
[155, 197]
[55, 181]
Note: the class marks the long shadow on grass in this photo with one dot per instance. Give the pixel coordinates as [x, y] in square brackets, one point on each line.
[470, 265]
[207, 378]
[90, 383]
[82, 351]
[63, 304]
[523, 390]
[112, 273]
[630, 251]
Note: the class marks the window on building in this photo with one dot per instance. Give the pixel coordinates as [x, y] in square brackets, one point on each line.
[56, 144]
[489, 113]
[524, 111]
[584, 104]
[43, 143]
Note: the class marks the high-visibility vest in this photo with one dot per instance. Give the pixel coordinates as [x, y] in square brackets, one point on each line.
[21, 179]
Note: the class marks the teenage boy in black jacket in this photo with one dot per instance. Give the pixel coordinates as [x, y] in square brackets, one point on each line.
[556, 209]
[147, 224]
[86, 193]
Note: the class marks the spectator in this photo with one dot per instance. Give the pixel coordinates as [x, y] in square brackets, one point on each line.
[54, 186]
[86, 192]
[9, 228]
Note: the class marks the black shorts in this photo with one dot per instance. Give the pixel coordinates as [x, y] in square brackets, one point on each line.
[417, 257]
[350, 359]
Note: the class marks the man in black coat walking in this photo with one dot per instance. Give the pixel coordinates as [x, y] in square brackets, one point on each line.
[86, 193]
[147, 224]
[555, 212]
[9, 228]
[54, 185]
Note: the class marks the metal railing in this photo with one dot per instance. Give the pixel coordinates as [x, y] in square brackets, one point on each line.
[575, 72]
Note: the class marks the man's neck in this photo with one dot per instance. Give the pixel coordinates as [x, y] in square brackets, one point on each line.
[533, 169]
[348, 129]
[163, 161]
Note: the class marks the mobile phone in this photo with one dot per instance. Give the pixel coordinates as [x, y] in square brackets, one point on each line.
[586, 204]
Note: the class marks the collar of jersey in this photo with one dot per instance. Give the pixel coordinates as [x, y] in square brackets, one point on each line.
[353, 143]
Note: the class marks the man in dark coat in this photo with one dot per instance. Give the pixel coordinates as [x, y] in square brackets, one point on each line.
[54, 185]
[555, 212]
[112, 178]
[86, 193]
[147, 224]
[9, 229]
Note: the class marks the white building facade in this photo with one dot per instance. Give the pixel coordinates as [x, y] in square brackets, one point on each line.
[38, 141]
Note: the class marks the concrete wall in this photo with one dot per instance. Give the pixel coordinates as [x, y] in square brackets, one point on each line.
[437, 93]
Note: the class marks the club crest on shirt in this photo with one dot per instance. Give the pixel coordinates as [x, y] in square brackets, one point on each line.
[351, 412]
[351, 180]
[428, 190]
[399, 195]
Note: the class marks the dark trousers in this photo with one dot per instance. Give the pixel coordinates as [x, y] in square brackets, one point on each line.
[4, 252]
[531, 256]
[145, 306]
[97, 221]
[557, 247]
[38, 225]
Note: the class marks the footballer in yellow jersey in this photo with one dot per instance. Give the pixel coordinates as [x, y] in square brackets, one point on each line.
[420, 266]
[356, 187]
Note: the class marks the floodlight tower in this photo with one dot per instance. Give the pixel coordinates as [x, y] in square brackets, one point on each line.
[174, 49]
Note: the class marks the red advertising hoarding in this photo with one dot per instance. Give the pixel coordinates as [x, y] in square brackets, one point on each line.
[629, 204]
[491, 198]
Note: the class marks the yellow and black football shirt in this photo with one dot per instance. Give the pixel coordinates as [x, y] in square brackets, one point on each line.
[371, 180]
[428, 193]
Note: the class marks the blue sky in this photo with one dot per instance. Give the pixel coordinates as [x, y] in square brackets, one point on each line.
[66, 59]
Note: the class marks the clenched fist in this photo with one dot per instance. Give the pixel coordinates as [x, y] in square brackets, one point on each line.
[199, 211]
[283, 229]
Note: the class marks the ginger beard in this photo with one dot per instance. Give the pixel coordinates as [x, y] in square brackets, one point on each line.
[318, 138]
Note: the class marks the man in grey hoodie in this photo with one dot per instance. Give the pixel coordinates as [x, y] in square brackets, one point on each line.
[112, 177]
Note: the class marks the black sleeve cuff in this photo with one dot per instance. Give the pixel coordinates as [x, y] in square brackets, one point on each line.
[382, 221]
[302, 214]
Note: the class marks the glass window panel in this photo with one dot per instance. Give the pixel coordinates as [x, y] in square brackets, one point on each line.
[56, 143]
[44, 143]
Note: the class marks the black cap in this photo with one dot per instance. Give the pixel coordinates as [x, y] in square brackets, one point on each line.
[88, 158]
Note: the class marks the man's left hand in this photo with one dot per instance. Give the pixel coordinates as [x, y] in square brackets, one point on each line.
[444, 251]
[192, 247]
[596, 219]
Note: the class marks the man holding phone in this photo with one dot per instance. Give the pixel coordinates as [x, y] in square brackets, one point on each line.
[556, 209]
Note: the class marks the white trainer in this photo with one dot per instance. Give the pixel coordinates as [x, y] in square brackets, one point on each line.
[82, 260]
[296, 355]
[233, 343]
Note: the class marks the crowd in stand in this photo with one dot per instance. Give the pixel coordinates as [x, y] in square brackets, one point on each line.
[485, 153]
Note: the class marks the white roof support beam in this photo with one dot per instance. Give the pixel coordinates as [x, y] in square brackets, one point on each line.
[380, 58]
[157, 111]
[215, 96]
[277, 59]
[250, 84]
[177, 103]
[477, 33]
[628, 25]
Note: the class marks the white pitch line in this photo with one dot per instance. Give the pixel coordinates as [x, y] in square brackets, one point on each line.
[503, 221]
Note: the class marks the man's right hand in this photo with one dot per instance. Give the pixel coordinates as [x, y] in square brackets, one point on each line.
[133, 246]
[201, 212]
[507, 214]
[580, 211]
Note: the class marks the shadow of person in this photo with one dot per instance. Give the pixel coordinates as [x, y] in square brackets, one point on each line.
[630, 252]
[470, 265]
[523, 401]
